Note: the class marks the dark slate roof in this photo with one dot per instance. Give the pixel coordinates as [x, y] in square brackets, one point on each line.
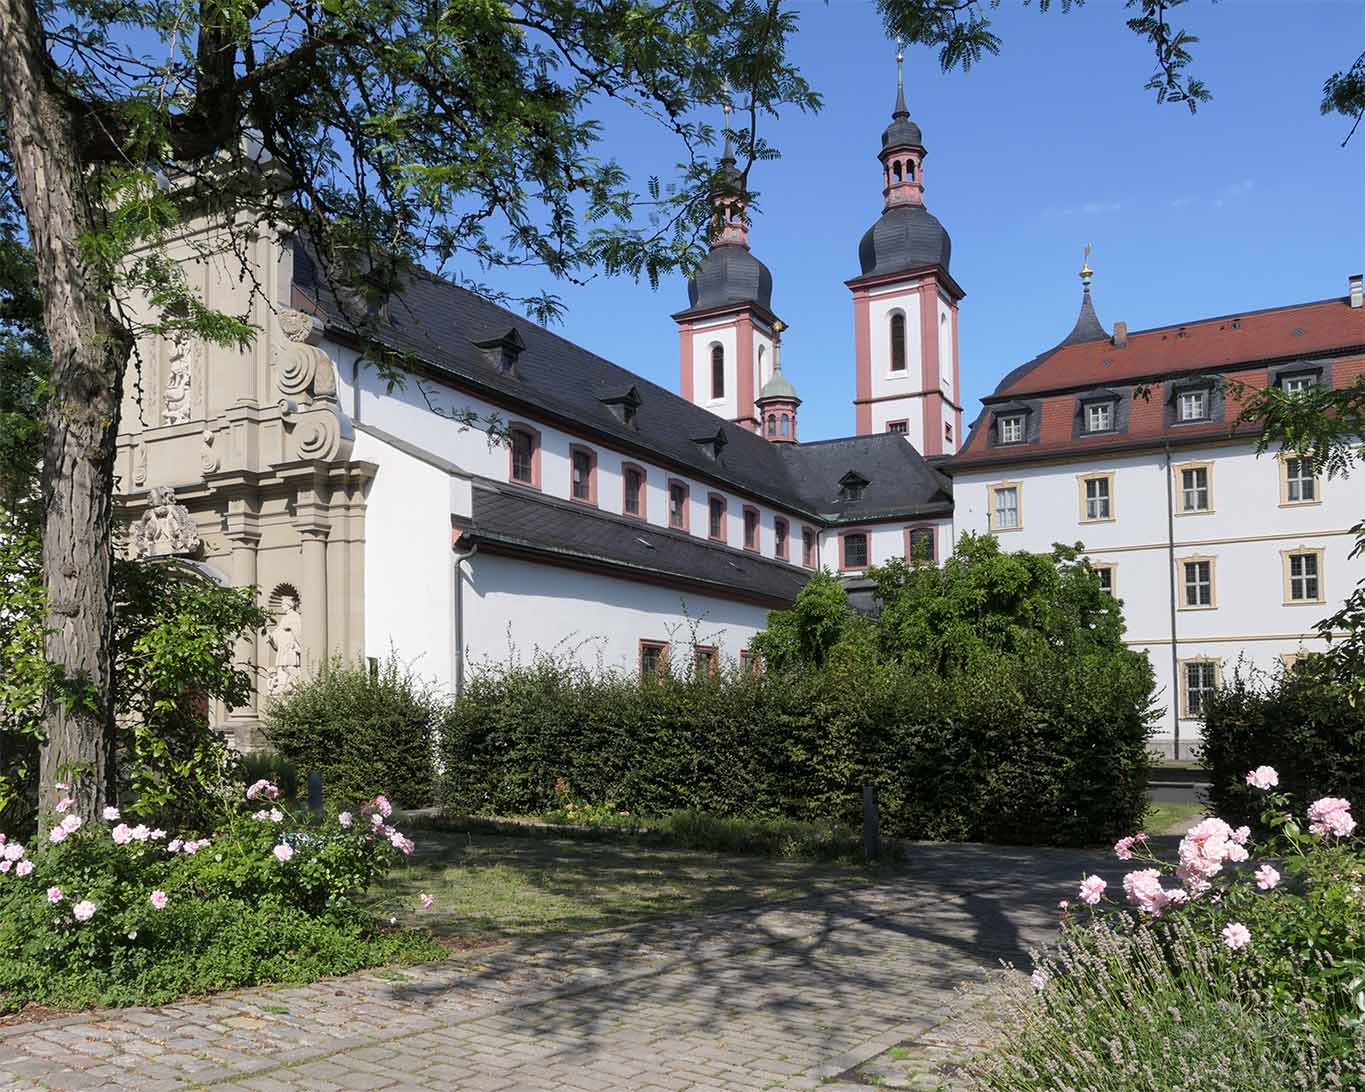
[900, 482]
[902, 130]
[905, 237]
[439, 322]
[531, 523]
[1088, 326]
[729, 274]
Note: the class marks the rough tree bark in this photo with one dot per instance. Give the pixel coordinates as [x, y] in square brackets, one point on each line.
[89, 351]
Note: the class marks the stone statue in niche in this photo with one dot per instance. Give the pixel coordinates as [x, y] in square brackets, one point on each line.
[176, 407]
[287, 667]
[165, 529]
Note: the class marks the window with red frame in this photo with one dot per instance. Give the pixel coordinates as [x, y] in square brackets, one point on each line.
[855, 550]
[920, 545]
[524, 456]
[717, 514]
[808, 544]
[677, 506]
[633, 479]
[780, 538]
[751, 528]
[584, 482]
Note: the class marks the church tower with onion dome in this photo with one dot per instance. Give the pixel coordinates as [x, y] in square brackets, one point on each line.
[728, 333]
[905, 304]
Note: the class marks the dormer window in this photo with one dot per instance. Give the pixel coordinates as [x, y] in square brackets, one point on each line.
[1010, 429]
[1099, 417]
[851, 486]
[712, 445]
[1194, 406]
[625, 405]
[1299, 384]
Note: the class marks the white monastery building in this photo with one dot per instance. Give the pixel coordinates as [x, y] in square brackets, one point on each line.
[623, 523]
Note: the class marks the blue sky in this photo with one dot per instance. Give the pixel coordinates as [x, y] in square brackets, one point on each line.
[1250, 203]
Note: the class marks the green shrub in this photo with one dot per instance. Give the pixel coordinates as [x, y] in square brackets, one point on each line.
[1303, 722]
[253, 766]
[105, 913]
[368, 731]
[1045, 750]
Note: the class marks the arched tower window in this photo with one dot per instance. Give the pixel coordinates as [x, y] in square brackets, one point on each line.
[896, 170]
[786, 425]
[717, 372]
[772, 424]
[909, 170]
[898, 342]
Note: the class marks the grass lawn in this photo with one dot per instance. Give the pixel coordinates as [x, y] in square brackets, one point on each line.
[491, 887]
[1172, 818]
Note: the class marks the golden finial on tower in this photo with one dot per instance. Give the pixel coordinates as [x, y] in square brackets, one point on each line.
[1086, 271]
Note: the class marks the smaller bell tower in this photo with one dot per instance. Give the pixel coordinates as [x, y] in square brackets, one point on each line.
[777, 401]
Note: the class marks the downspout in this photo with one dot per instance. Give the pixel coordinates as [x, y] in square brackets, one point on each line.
[1170, 565]
[460, 551]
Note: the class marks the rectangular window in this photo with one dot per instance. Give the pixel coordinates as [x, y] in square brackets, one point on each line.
[584, 475]
[1298, 384]
[633, 504]
[1004, 511]
[750, 528]
[808, 548]
[855, 550]
[1099, 417]
[900, 428]
[1300, 482]
[1303, 576]
[677, 506]
[750, 663]
[780, 538]
[1201, 680]
[1195, 494]
[717, 514]
[1011, 429]
[706, 660]
[523, 456]
[920, 545]
[653, 660]
[1194, 406]
[1097, 502]
[1106, 575]
[1198, 583]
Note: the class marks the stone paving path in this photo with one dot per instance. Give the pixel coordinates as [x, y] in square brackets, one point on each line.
[785, 996]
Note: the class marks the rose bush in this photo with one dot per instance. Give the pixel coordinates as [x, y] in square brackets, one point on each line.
[117, 913]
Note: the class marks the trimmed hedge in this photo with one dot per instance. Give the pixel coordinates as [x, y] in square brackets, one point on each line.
[1303, 722]
[369, 732]
[1050, 752]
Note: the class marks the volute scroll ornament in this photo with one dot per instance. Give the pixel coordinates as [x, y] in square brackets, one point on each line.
[166, 528]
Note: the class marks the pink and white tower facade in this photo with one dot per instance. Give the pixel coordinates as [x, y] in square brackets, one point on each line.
[727, 335]
[905, 305]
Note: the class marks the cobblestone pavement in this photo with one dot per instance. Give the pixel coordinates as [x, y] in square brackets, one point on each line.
[790, 995]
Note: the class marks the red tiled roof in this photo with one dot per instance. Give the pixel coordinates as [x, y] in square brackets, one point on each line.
[1197, 346]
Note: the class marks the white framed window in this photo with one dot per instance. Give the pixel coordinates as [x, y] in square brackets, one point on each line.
[1010, 430]
[1107, 574]
[1198, 683]
[1194, 483]
[1097, 497]
[1298, 384]
[1197, 584]
[1194, 406]
[1298, 480]
[1005, 513]
[1099, 417]
[1303, 576]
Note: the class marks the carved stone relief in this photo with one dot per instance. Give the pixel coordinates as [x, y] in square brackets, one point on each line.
[178, 401]
[165, 529]
[209, 459]
[286, 644]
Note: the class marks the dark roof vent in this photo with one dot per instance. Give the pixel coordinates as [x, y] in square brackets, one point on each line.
[623, 404]
[712, 445]
[502, 352]
[851, 486]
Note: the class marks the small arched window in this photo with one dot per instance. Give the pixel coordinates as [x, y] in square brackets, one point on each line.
[896, 170]
[786, 425]
[717, 372]
[772, 424]
[898, 342]
[909, 170]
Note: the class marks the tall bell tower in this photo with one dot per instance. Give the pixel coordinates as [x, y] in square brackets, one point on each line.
[905, 304]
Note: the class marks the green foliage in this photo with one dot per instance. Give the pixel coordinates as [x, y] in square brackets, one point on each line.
[1043, 751]
[817, 621]
[271, 766]
[1307, 723]
[1149, 1011]
[368, 732]
[234, 913]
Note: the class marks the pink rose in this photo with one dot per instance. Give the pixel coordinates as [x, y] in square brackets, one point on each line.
[1266, 877]
[157, 835]
[13, 851]
[158, 900]
[382, 803]
[122, 834]
[1331, 815]
[1236, 936]
[71, 824]
[1092, 889]
[174, 845]
[23, 868]
[283, 852]
[57, 835]
[140, 833]
[1263, 777]
[54, 895]
[426, 901]
[345, 820]
[111, 815]
[269, 788]
[1062, 905]
[64, 804]
[5, 866]
[1123, 848]
[83, 910]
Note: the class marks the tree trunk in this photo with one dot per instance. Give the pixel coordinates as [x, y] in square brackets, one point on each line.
[89, 351]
